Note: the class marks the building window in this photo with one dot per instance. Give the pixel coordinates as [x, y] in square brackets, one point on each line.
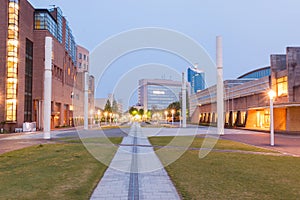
[282, 86]
[28, 82]
[12, 61]
[80, 56]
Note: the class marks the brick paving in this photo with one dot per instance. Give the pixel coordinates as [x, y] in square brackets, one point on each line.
[153, 180]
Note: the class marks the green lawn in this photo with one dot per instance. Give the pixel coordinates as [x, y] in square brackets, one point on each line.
[233, 175]
[197, 142]
[52, 171]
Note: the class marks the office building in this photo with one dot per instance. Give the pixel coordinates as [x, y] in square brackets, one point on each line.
[22, 53]
[196, 78]
[247, 104]
[159, 93]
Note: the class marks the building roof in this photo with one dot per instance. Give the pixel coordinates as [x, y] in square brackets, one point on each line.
[255, 73]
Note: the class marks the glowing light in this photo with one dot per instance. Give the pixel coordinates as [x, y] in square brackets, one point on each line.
[272, 94]
[158, 92]
[12, 80]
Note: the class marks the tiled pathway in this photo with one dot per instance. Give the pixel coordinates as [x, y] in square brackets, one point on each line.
[135, 173]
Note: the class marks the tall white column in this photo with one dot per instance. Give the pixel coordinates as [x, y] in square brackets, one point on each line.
[183, 112]
[86, 101]
[220, 86]
[47, 87]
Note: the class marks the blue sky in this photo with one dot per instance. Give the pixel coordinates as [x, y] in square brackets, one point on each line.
[251, 30]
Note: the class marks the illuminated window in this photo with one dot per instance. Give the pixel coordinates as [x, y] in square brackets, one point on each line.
[282, 86]
[12, 61]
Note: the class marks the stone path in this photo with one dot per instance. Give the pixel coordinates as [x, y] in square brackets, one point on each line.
[135, 172]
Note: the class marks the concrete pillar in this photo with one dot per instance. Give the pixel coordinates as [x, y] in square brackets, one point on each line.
[183, 112]
[47, 87]
[86, 101]
[220, 86]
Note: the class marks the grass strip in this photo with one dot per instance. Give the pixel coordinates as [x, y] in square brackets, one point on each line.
[52, 171]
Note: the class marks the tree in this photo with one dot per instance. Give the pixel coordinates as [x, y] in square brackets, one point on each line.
[108, 107]
[115, 108]
[175, 106]
[133, 111]
[141, 112]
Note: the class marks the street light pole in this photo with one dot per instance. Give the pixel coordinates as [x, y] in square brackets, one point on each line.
[180, 119]
[271, 94]
[105, 114]
[166, 114]
[172, 111]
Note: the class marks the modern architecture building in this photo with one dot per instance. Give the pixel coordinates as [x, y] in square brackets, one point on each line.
[196, 78]
[257, 73]
[22, 53]
[158, 93]
[247, 103]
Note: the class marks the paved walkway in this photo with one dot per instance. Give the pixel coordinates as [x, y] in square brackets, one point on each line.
[286, 144]
[135, 173]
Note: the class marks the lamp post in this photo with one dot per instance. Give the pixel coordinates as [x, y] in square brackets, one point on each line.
[92, 113]
[110, 115]
[99, 117]
[166, 114]
[179, 118]
[271, 94]
[173, 112]
[105, 114]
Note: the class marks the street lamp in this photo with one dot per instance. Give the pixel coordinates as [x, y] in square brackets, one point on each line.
[99, 117]
[166, 114]
[179, 118]
[173, 112]
[92, 113]
[110, 115]
[105, 114]
[271, 94]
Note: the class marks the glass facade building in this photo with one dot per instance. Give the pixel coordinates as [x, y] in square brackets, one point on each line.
[158, 93]
[160, 97]
[256, 74]
[196, 78]
[44, 20]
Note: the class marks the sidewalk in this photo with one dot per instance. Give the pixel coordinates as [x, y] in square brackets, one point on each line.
[283, 143]
[14, 141]
[135, 173]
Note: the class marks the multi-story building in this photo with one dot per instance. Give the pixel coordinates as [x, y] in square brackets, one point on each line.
[82, 59]
[196, 78]
[248, 105]
[159, 93]
[22, 53]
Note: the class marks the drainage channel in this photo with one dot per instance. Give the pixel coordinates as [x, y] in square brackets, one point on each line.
[133, 191]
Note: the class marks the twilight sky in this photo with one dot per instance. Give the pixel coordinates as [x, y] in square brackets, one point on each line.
[251, 30]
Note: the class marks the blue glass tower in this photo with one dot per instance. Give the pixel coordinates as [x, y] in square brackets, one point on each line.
[196, 78]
